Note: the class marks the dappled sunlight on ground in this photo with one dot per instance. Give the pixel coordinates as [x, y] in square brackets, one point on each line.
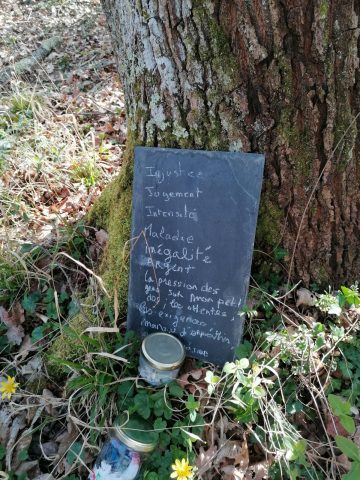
[62, 125]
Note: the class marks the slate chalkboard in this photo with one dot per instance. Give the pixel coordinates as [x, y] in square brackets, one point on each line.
[194, 218]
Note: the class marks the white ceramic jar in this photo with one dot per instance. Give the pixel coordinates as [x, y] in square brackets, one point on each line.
[161, 357]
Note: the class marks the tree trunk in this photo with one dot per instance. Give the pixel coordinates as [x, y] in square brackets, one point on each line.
[256, 76]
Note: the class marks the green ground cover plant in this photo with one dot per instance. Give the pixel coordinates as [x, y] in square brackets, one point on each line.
[287, 407]
[287, 403]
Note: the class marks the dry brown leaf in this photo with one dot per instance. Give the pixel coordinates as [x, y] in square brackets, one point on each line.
[230, 472]
[17, 426]
[31, 468]
[6, 415]
[50, 449]
[230, 450]
[334, 427]
[65, 439]
[26, 347]
[33, 410]
[344, 462]
[49, 400]
[356, 438]
[107, 128]
[309, 319]
[33, 367]
[192, 380]
[205, 459]
[198, 373]
[22, 444]
[350, 316]
[95, 252]
[224, 425]
[13, 320]
[242, 460]
[101, 237]
[258, 471]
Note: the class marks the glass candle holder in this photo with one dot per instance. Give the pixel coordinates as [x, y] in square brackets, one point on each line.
[122, 454]
[161, 357]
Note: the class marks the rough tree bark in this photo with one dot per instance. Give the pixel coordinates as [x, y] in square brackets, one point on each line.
[269, 76]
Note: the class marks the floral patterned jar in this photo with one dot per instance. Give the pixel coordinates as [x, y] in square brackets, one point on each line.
[161, 357]
[121, 455]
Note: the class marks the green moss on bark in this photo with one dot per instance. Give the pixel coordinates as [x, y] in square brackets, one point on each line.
[345, 134]
[217, 51]
[299, 140]
[286, 74]
[324, 9]
[205, 126]
[112, 212]
[268, 231]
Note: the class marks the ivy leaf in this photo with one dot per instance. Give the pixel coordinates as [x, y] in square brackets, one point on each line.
[49, 296]
[229, 368]
[346, 368]
[29, 302]
[192, 416]
[351, 296]
[348, 423]
[280, 253]
[354, 473]
[338, 405]
[74, 452]
[212, 380]
[159, 406]
[168, 411]
[42, 330]
[164, 440]
[38, 333]
[175, 390]
[51, 311]
[23, 455]
[126, 389]
[297, 451]
[142, 405]
[73, 308]
[21, 476]
[244, 350]
[160, 425]
[193, 437]
[294, 407]
[151, 476]
[192, 404]
[320, 342]
[243, 363]
[348, 448]
[63, 296]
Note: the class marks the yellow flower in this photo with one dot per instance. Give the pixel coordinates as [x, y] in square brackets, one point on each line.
[182, 470]
[8, 388]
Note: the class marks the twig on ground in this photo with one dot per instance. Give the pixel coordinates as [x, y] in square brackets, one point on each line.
[26, 65]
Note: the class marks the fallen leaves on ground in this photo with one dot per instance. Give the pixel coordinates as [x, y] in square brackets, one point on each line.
[73, 134]
[62, 135]
[13, 319]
